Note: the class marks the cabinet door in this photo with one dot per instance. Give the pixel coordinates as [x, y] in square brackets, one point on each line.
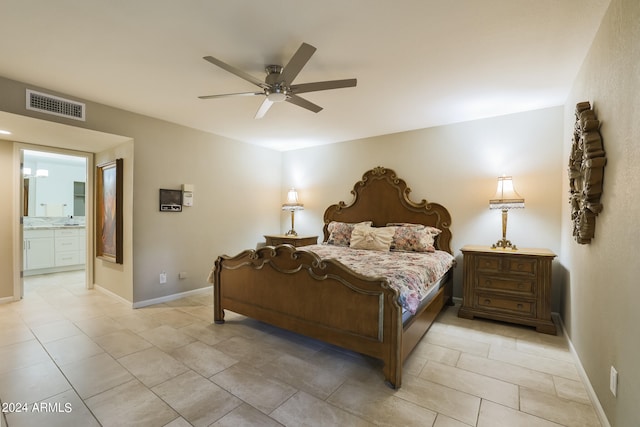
[39, 253]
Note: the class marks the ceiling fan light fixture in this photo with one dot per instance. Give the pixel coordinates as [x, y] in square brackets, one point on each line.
[277, 96]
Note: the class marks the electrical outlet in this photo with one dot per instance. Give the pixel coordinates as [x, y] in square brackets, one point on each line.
[182, 275]
[163, 278]
[613, 381]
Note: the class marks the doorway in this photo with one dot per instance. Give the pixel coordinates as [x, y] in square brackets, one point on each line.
[55, 215]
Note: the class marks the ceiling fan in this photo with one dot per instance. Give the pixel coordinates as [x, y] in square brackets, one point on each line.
[277, 86]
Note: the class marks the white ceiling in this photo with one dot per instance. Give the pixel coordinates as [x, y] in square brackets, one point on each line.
[419, 63]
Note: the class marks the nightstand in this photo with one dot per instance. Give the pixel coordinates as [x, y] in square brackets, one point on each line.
[508, 285]
[281, 239]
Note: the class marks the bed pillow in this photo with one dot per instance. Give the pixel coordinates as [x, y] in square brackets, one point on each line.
[340, 232]
[372, 238]
[414, 239]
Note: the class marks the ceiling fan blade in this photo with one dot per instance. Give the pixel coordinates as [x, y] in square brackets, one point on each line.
[316, 86]
[297, 61]
[227, 95]
[264, 107]
[234, 70]
[301, 102]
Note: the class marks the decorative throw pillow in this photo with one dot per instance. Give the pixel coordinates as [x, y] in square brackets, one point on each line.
[377, 239]
[415, 239]
[340, 232]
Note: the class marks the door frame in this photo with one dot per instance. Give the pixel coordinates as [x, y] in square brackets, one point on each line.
[18, 214]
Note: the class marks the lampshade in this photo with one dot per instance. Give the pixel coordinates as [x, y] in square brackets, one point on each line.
[506, 196]
[293, 203]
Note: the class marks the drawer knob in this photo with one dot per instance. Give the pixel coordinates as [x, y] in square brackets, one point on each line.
[520, 285]
[487, 301]
[519, 306]
[487, 282]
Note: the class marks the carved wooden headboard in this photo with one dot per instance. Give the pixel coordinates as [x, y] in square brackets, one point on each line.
[382, 197]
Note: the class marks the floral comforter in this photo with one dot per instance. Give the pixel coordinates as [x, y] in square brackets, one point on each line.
[410, 273]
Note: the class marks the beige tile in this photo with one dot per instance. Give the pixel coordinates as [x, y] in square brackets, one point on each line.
[537, 363]
[72, 349]
[166, 337]
[203, 358]
[134, 321]
[56, 330]
[208, 333]
[98, 326]
[249, 351]
[436, 353]
[95, 374]
[561, 411]
[495, 415]
[40, 316]
[458, 343]
[33, 383]
[304, 375]
[152, 366]
[304, 409]
[472, 383]
[458, 405]
[558, 351]
[13, 333]
[121, 343]
[379, 406]
[204, 403]
[507, 372]
[348, 364]
[444, 421]
[130, 404]
[246, 416]
[262, 392]
[62, 410]
[174, 318]
[201, 312]
[571, 390]
[22, 354]
[178, 422]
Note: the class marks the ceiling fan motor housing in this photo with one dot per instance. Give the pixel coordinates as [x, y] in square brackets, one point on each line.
[277, 88]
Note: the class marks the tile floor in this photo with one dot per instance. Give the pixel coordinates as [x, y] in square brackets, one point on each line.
[78, 357]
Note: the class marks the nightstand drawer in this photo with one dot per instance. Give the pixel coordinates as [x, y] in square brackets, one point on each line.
[490, 264]
[491, 302]
[505, 283]
[274, 240]
[519, 265]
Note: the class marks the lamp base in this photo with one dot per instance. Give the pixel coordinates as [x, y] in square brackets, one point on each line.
[504, 244]
[291, 232]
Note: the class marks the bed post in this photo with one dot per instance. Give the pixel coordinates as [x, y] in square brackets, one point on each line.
[218, 312]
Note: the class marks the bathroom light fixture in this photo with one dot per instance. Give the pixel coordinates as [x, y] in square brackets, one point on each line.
[506, 198]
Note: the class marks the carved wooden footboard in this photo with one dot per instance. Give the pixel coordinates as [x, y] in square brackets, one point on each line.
[295, 290]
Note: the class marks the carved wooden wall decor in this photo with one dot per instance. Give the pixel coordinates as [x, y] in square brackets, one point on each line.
[586, 171]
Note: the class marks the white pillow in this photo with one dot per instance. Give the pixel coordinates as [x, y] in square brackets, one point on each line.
[373, 238]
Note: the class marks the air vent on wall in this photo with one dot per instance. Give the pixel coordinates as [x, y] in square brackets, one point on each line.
[50, 104]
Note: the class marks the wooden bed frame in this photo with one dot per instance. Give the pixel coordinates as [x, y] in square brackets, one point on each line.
[323, 299]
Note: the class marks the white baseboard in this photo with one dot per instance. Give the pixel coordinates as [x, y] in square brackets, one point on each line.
[171, 297]
[6, 300]
[583, 374]
[111, 294]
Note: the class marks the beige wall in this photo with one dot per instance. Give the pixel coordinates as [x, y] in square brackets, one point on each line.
[456, 166]
[237, 193]
[602, 290]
